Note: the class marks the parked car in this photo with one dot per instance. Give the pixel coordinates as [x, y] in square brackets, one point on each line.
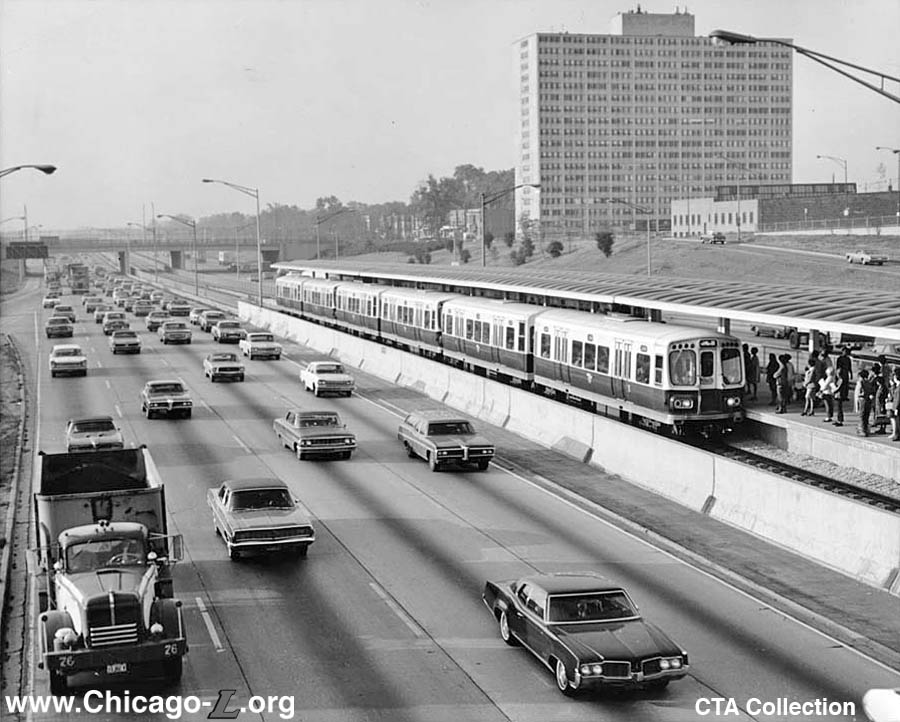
[314, 433]
[443, 438]
[195, 313]
[155, 318]
[64, 310]
[49, 301]
[179, 308]
[866, 258]
[327, 377]
[223, 366]
[259, 516]
[67, 359]
[210, 318]
[174, 332]
[100, 311]
[228, 332]
[167, 397]
[58, 327]
[124, 341]
[587, 630]
[260, 345]
[713, 238]
[96, 433]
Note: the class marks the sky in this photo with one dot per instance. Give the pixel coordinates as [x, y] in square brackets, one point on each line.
[135, 101]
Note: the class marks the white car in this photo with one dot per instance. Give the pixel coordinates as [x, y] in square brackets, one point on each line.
[223, 365]
[327, 377]
[97, 433]
[69, 359]
[49, 301]
[260, 345]
[864, 258]
[125, 341]
[228, 332]
[174, 332]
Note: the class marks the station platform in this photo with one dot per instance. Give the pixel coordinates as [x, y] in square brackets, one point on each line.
[811, 435]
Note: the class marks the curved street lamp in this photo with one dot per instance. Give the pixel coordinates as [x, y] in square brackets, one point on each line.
[46, 169]
[840, 161]
[254, 193]
[486, 200]
[727, 37]
[324, 219]
[192, 224]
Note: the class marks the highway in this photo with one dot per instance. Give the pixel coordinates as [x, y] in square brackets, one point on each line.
[384, 620]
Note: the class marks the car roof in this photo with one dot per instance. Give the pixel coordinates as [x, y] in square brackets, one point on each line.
[571, 583]
[154, 382]
[65, 346]
[314, 414]
[255, 483]
[89, 419]
[437, 415]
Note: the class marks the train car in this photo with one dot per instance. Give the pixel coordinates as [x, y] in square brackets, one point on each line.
[287, 291]
[411, 319]
[357, 307]
[495, 335]
[656, 375]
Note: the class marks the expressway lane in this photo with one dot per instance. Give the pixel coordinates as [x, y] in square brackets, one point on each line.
[383, 620]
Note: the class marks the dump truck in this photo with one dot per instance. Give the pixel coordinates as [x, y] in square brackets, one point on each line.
[105, 560]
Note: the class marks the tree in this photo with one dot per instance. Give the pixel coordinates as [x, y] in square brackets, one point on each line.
[465, 256]
[328, 203]
[605, 242]
[555, 249]
[517, 257]
[509, 238]
[488, 239]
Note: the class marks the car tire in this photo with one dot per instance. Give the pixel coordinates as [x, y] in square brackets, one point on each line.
[53, 374]
[562, 678]
[249, 355]
[658, 684]
[303, 551]
[432, 462]
[298, 453]
[241, 377]
[316, 392]
[346, 455]
[234, 554]
[505, 634]
[409, 450]
[187, 414]
[483, 465]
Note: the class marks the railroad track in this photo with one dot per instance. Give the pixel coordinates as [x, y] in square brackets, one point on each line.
[811, 478]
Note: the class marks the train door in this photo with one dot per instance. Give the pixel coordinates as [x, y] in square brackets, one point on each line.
[621, 369]
[561, 355]
[708, 393]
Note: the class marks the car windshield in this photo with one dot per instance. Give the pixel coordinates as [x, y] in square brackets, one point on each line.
[444, 428]
[93, 426]
[97, 554]
[124, 334]
[166, 389]
[211, 316]
[175, 327]
[223, 357]
[229, 324]
[592, 607]
[319, 420]
[57, 322]
[118, 315]
[261, 499]
[63, 309]
[329, 369]
[74, 351]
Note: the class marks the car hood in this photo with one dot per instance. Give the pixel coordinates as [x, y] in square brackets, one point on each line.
[226, 364]
[112, 579]
[453, 440]
[264, 518]
[168, 396]
[616, 640]
[314, 432]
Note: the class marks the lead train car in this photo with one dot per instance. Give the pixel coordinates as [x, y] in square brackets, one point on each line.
[679, 378]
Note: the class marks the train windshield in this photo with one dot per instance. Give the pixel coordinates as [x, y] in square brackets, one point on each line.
[683, 368]
[731, 366]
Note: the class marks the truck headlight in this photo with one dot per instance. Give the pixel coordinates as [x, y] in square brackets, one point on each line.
[156, 629]
[66, 636]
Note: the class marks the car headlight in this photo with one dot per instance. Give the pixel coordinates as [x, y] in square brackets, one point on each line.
[664, 664]
[675, 663]
[306, 442]
[348, 441]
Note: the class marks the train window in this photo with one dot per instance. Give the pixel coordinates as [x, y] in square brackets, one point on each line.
[707, 365]
[485, 332]
[590, 356]
[510, 338]
[683, 367]
[469, 328]
[521, 337]
[603, 359]
[545, 345]
[657, 371]
[731, 366]
[642, 370]
[577, 354]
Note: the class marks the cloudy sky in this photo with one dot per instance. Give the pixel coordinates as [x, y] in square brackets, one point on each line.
[136, 100]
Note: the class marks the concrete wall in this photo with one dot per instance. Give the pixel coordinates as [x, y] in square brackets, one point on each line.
[854, 538]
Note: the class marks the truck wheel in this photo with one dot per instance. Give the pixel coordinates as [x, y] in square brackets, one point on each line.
[58, 684]
[172, 669]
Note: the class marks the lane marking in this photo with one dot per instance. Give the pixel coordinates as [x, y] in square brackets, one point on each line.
[207, 620]
[108, 384]
[118, 409]
[241, 443]
[398, 610]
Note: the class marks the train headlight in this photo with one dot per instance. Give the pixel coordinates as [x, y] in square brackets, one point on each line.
[733, 401]
[682, 403]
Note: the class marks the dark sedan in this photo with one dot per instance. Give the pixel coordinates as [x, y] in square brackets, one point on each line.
[587, 631]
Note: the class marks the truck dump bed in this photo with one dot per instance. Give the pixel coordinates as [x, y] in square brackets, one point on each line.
[97, 471]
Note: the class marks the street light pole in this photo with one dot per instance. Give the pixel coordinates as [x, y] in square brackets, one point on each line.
[639, 209]
[741, 166]
[193, 226]
[254, 192]
[840, 161]
[319, 221]
[486, 200]
[896, 152]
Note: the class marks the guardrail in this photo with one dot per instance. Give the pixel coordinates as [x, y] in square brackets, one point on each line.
[830, 225]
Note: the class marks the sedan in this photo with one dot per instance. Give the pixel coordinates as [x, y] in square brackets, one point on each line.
[110, 326]
[155, 318]
[259, 515]
[223, 366]
[64, 310]
[586, 630]
[100, 312]
[125, 341]
[228, 332]
[195, 313]
[142, 307]
[174, 332]
[49, 301]
[210, 318]
[59, 326]
[67, 359]
[166, 397]
[97, 433]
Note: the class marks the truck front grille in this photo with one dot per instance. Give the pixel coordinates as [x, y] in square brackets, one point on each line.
[117, 634]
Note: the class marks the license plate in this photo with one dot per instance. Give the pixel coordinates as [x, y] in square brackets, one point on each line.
[117, 668]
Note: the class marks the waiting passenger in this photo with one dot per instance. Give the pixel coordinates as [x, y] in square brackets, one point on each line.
[810, 387]
[753, 373]
[771, 368]
[865, 400]
[894, 403]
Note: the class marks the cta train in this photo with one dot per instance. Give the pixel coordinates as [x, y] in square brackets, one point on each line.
[678, 379]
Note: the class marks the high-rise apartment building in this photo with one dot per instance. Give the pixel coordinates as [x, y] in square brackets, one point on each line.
[613, 127]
